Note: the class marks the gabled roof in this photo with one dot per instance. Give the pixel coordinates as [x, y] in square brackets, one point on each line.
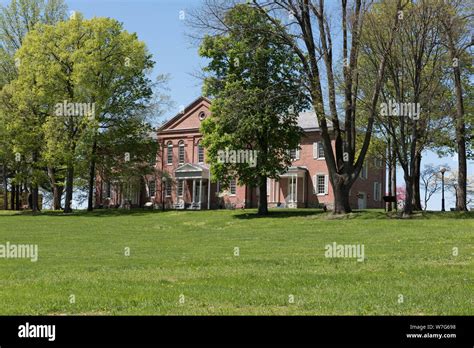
[186, 110]
[309, 122]
[192, 171]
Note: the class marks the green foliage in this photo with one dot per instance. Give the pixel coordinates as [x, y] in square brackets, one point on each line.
[254, 81]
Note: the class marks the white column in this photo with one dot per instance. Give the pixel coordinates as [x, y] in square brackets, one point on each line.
[200, 193]
[208, 194]
[304, 188]
[194, 189]
[296, 196]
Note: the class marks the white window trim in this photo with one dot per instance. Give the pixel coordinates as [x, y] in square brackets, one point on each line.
[168, 163]
[319, 158]
[230, 190]
[181, 146]
[326, 184]
[315, 150]
[203, 155]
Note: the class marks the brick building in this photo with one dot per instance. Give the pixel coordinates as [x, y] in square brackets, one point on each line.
[304, 184]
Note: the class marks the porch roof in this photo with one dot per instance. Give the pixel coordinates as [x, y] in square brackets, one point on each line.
[299, 172]
[192, 171]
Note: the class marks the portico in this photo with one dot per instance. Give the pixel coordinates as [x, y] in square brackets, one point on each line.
[195, 177]
[295, 193]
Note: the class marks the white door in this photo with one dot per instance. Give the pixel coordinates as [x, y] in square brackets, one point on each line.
[362, 201]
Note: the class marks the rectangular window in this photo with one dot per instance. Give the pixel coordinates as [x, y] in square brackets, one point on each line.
[364, 171]
[169, 154]
[320, 150]
[168, 188]
[295, 154]
[200, 154]
[378, 163]
[377, 191]
[321, 182]
[321, 185]
[152, 188]
[180, 188]
[233, 187]
[181, 153]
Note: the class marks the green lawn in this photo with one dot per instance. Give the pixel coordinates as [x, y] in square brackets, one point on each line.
[192, 254]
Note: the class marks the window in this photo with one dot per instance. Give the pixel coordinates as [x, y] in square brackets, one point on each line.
[181, 152]
[378, 162]
[377, 191]
[202, 115]
[295, 154]
[170, 153]
[233, 187]
[168, 188]
[152, 188]
[320, 150]
[321, 184]
[180, 188]
[363, 171]
[200, 153]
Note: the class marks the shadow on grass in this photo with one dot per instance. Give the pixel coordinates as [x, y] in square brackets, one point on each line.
[283, 213]
[83, 213]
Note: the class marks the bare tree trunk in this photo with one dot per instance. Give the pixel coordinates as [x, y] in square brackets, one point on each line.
[57, 190]
[341, 198]
[262, 199]
[12, 196]
[394, 177]
[461, 194]
[416, 183]
[408, 208]
[69, 188]
[390, 164]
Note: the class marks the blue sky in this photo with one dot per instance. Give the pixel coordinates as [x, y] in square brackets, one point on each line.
[158, 24]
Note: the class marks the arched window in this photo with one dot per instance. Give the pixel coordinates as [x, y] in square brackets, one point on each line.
[181, 152]
[169, 154]
[200, 153]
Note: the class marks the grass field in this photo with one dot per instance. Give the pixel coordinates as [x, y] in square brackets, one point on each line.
[190, 256]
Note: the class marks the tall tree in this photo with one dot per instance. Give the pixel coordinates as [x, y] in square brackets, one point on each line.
[257, 96]
[16, 20]
[412, 115]
[308, 32]
[78, 73]
[454, 16]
